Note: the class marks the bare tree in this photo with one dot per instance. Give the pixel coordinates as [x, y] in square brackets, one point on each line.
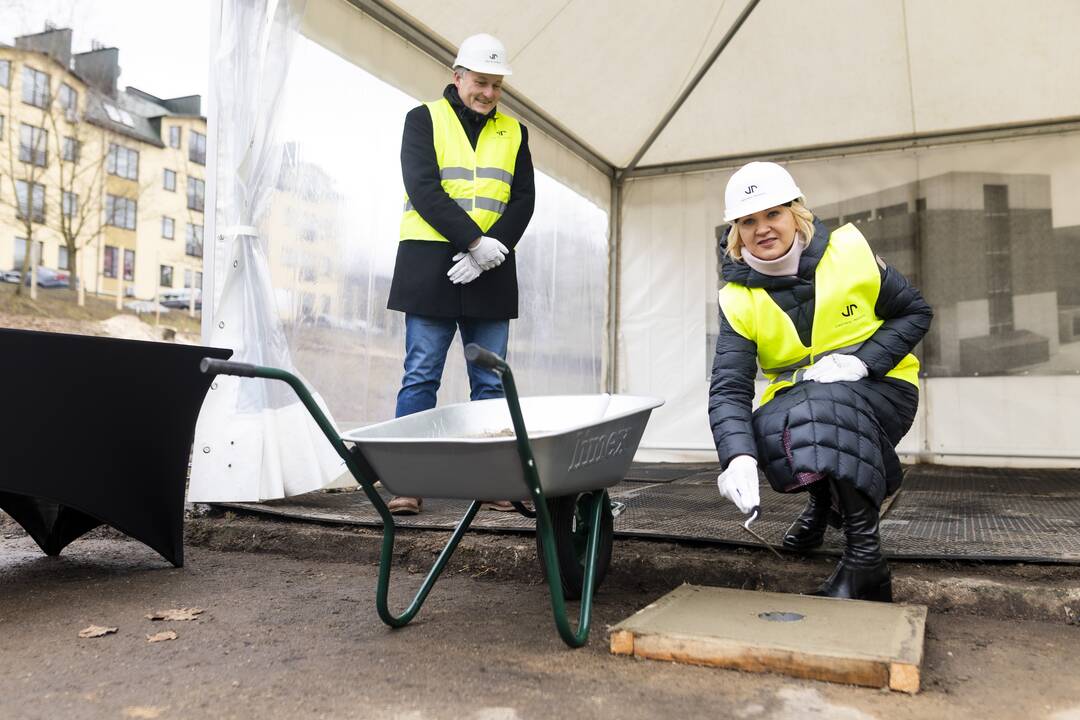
[28, 164]
[81, 153]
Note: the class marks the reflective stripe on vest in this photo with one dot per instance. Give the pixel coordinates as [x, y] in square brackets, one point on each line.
[477, 180]
[846, 286]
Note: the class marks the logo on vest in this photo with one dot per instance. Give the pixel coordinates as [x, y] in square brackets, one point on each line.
[849, 310]
[500, 133]
[750, 190]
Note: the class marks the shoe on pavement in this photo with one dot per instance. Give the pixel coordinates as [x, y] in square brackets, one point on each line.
[405, 505]
[499, 506]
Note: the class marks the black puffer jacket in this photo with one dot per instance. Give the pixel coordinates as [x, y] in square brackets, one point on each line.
[847, 429]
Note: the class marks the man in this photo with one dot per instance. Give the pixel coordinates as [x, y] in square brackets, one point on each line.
[469, 197]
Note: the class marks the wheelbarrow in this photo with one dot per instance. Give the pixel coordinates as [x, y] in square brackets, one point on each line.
[560, 453]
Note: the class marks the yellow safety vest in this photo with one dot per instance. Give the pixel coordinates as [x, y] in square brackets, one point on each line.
[846, 286]
[478, 180]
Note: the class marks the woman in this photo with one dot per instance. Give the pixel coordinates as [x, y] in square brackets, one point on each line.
[832, 327]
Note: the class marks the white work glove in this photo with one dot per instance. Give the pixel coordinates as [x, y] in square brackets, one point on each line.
[488, 252]
[836, 368]
[465, 271]
[739, 483]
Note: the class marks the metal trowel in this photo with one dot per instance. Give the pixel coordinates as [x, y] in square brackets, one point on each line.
[755, 513]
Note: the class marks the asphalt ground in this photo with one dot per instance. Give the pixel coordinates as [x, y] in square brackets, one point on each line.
[289, 630]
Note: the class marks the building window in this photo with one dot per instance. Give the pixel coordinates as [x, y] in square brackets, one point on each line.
[71, 150]
[5, 73]
[120, 116]
[197, 147]
[997, 241]
[108, 268]
[129, 265]
[170, 180]
[35, 87]
[69, 100]
[165, 276]
[33, 145]
[62, 258]
[30, 201]
[1, 127]
[120, 212]
[188, 276]
[174, 136]
[70, 204]
[196, 194]
[193, 246]
[123, 162]
[20, 251]
[168, 228]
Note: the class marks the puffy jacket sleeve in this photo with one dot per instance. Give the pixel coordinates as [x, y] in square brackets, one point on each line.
[731, 393]
[907, 318]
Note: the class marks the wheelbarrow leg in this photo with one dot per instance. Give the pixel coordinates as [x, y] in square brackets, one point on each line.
[366, 476]
[573, 638]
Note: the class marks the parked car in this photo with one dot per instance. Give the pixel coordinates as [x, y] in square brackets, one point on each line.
[49, 278]
[181, 299]
[11, 276]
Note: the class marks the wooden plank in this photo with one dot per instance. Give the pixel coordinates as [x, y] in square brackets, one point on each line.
[904, 678]
[622, 643]
[735, 656]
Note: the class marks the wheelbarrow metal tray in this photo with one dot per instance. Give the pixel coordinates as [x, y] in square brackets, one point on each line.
[468, 451]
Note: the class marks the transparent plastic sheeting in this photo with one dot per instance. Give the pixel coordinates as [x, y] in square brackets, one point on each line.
[990, 233]
[331, 229]
[253, 440]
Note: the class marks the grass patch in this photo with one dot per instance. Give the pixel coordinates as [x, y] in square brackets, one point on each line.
[62, 304]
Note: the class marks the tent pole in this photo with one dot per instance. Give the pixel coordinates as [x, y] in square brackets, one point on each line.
[702, 71]
[896, 143]
[611, 356]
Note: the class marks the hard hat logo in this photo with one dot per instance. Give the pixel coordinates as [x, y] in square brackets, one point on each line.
[493, 56]
[751, 189]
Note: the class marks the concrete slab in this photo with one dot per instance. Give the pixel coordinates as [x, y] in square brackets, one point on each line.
[846, 641]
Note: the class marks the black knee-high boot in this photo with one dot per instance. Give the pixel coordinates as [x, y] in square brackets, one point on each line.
[862, 572]
[808, 530]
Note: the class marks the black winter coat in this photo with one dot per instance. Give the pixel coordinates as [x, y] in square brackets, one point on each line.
[847, 430]
[420, 285]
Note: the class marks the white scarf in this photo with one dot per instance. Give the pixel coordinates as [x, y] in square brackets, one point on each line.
[787, 264]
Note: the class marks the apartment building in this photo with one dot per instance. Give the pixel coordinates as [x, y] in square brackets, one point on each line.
[106, 185]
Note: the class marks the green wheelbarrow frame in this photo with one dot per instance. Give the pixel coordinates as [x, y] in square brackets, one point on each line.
[597, 502]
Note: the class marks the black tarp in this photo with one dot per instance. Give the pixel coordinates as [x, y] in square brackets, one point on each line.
[98, 431]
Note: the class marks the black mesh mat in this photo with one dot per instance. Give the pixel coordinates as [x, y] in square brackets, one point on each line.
[940, 513]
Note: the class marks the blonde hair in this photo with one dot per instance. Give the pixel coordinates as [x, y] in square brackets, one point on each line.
[804, 222]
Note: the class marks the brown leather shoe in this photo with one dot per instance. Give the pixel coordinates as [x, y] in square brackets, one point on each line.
[405, 505]
[499, 506]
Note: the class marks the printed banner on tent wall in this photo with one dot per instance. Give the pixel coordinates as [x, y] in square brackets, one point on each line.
[989, 232]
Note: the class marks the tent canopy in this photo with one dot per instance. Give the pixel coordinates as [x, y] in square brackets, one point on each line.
[794, 75]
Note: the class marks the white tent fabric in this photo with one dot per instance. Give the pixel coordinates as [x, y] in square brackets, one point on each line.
[253, 440]
[796, 74]
[869, 100]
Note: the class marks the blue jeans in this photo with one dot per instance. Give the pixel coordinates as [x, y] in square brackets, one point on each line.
[427, 340]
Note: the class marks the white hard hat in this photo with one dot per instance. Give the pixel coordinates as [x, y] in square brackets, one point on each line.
[483, 53]
[758, 186]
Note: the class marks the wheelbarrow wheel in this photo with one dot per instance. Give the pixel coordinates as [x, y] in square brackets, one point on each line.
[570, 526]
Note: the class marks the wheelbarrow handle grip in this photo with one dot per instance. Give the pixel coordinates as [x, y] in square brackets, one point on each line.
[484, 358]
[211, 366]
